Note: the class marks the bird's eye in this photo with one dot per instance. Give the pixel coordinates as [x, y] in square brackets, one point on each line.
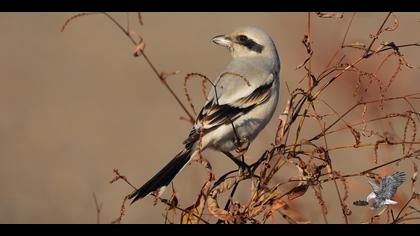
[242, 38]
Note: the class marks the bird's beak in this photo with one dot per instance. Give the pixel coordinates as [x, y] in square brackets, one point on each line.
[222, 40]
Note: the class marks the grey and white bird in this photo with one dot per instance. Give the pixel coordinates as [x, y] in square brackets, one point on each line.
[245, 96]
[383, 193]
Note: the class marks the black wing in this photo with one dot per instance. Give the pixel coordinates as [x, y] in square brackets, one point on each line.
[390, 184]
[215, 114]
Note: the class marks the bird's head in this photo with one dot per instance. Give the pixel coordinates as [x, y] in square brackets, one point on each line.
[371, 196]
[248, 42]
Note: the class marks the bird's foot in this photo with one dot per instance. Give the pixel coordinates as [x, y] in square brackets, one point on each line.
[244, 169]
[242, 145]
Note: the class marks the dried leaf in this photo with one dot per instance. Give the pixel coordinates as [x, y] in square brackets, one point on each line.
[280, 131]
[165, 75]
[298, 191]
[330, 14]
[189, 216]
[217, 212]
[358, 44]
[277, 205]
[414, 177]
[282, 123]
[290, 214]
[254, 189]
[173, 203]
[255, 211]
[138, 50]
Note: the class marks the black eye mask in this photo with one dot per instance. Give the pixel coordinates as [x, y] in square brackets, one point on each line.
[249, 43]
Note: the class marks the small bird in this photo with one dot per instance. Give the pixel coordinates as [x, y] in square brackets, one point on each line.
[383, 193]
[240, 104]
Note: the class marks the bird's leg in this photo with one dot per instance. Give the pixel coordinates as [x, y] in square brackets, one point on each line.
[244, 169]
[242, 145]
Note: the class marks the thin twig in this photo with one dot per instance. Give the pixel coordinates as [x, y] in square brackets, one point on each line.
[375, 37]
[152, 66]
[98, 207]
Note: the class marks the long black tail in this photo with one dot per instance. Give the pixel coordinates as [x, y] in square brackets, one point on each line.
[164, 176]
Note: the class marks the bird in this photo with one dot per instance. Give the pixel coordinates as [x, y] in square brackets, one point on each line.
[383, 193]
[239, 105]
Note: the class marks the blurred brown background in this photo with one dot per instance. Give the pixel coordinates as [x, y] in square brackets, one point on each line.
[75, 105]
